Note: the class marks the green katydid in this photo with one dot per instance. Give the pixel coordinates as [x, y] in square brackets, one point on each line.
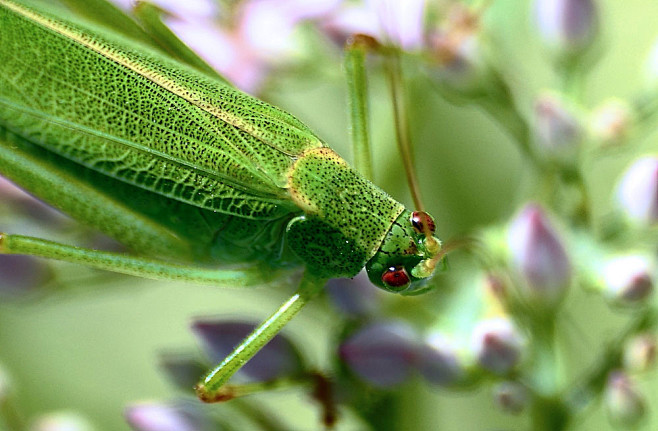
[182, 167]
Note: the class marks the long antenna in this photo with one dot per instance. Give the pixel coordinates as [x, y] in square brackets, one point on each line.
[403, 138]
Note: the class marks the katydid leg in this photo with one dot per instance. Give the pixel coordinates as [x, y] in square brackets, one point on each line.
[356, 49]
[212, 388]
[133, 265]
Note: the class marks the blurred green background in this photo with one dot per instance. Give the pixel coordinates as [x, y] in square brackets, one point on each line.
[92, 347]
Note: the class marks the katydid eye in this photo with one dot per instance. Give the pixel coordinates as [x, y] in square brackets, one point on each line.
[396, 277]
[420, 220]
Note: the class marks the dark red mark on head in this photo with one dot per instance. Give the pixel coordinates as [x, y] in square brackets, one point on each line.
[395, 276]
[421, 220]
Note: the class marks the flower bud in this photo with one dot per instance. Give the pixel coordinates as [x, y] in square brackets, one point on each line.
[511, 397]
[277, 358]
[624, 403]
[610, 123]
[382, 353]
[638, 191]
[539, 257]
[640, 353]
[567, 27]
[62, 421]
[459, 61]
[628, 279]
[389, 21]
[497, 345]
[439, 361]
[356, 296]
[151, 416]
[19, 274]
[558, 130]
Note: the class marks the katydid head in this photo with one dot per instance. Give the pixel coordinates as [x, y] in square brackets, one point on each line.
[407, 256]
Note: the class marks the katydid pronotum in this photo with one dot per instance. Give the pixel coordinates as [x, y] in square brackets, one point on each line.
[184, 168]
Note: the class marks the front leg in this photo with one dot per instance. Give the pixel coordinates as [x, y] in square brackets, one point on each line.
[212, 388]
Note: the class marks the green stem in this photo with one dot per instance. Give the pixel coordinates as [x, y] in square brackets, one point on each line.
[591, 386]
[548, 411]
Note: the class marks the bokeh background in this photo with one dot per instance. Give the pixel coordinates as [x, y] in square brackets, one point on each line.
[88, 341]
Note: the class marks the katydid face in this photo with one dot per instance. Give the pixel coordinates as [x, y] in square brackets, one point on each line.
[407, 256]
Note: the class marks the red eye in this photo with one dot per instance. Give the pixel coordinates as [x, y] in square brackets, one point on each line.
[396, 276]
[420, 219]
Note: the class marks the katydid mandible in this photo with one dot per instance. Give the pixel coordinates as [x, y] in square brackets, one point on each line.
[186, 169]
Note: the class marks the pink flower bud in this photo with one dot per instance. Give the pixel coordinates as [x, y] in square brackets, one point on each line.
[640, 353]
[610, 123]
[558, 130]
[497, 345]
[277, 358]
[638, 191]
[383, 353]
[356, 296]
[439, 361]
[511, 397]
[539, 257]
[628, 279]
[390, 21]
[166, 417]
[460, 63]
[567, 26]
[625, 405]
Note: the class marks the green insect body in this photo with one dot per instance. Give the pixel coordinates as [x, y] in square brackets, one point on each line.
[178, 165]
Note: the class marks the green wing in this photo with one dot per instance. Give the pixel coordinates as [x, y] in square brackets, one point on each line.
[132, 114]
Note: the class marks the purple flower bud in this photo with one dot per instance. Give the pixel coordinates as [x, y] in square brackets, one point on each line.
[539, 257]
[439, 361]
[640, 353]
[511, 397]
[19, 274]
[262, 34]
[166, 417]
[497, 345]
[62, 421]
[382, 353]
[401, 22]
[356, 296]
[628, 279]
[610, 123]
[567, 26]
[460, 64]
[558, 130]
[638, 191]
[625, 405]
[278, 358]
[390, 21]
